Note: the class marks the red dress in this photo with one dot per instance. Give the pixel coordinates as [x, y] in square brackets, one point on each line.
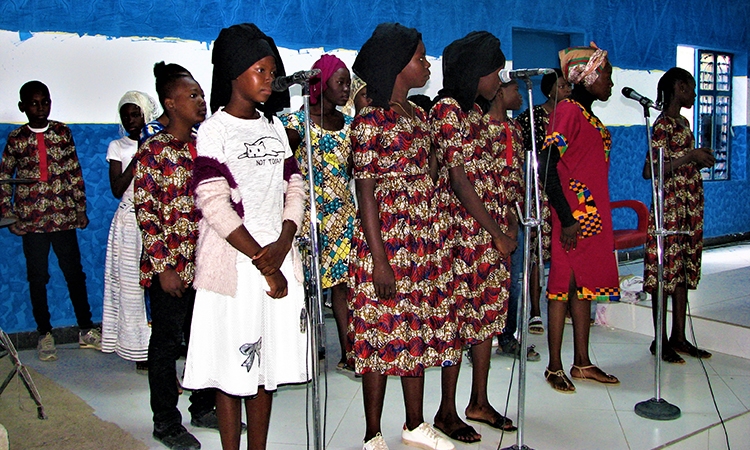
[416, 329]
[584, 144]
[481, 277]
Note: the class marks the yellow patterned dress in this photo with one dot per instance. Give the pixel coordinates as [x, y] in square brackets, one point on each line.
[334, 202]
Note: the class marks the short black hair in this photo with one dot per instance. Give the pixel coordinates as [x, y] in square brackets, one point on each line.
[166, 75]
[32, 87]
[549, 82]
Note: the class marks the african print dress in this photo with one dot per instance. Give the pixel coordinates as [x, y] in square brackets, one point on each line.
[683, 210]
[334, 202]
[417, 328]
[481, 277]
[583, 143]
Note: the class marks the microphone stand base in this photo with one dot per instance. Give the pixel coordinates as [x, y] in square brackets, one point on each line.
[657, 410]
[516, 447]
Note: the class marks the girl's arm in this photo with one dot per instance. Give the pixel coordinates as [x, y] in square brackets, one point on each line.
[119, 180]
[548, 159]
[383, 278]
[213, 199]
[701, 157]
[464, 190]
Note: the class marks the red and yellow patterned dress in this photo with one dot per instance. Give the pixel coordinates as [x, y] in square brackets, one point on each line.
[583, 143]
[416, 329]
[481, 277]
[683, 210]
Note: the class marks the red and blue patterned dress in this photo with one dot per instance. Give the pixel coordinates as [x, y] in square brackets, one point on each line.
[683, 210]
[415, 329]
[481, 277]
[583, 143]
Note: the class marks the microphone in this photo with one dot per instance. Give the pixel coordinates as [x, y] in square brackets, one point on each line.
[507, 75]
[280, 84]
[633, 95]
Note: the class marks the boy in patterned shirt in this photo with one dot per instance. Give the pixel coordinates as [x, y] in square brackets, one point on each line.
[48, 211]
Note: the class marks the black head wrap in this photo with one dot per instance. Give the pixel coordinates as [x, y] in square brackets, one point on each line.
[383, 57]
[549, 82]
[237, 48]
[467, 60]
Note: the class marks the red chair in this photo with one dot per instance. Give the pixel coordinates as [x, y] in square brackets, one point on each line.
[628, 238]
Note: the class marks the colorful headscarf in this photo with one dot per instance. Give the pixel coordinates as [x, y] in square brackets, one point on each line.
[149, 107]
[582, 64]
[357, 85]
[328, 65]
[465, 61]
[237, 48]
[383, 57]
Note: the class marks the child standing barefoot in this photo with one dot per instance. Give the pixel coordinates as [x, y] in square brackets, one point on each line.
[484, 229]
[248, 336]
[683, 210]
[399, 317]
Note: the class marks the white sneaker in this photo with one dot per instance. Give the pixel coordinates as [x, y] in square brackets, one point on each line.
[46, 348]
[90, 339]
[424, 436]
[376, 443]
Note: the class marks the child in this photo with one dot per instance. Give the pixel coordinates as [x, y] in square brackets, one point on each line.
[683, 211]
[556, 88]
[397, 274]
[168, 221]
[125, 328]
[48, 211]
[249, 328]
[507, 146]
[331, 152]
[575, 163]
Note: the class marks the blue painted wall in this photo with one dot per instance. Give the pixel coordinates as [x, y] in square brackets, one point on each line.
[638, 35]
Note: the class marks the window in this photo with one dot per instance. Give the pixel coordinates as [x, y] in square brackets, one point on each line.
[713, 110]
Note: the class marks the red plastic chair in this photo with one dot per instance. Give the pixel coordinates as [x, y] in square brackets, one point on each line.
[628, 238]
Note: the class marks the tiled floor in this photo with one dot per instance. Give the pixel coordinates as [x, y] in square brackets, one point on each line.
[595, 417]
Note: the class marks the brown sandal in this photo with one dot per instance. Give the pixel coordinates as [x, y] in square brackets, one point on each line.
[593, 373]
[559, 381]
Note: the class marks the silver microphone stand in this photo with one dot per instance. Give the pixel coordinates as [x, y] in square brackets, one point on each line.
[313, 288]
[531, 220]
[656, 408]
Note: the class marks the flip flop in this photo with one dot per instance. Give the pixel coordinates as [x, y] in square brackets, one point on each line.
[559, 381]
[499, 421]
[465, 434]
[689, 349]
[599, 375]
[667, 354]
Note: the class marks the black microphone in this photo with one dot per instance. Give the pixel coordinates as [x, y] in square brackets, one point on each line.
[633, 95]
[507, 75]
[280, 84]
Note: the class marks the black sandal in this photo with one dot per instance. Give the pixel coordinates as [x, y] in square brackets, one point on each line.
[686, 348]
[668, 354]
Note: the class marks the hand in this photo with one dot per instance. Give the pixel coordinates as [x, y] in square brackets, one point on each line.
[504, 245]
[384, 281]
[703, 157]
[171, 283]
[82, 220]
[269, 259]
[277, 283]
[13, 228]
[569, 236]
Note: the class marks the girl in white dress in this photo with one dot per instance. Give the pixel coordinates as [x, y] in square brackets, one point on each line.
[249, 329]
[125, 329]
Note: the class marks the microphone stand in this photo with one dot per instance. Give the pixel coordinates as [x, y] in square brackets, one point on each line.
[657, 408]
[314, 291]
[530, 220]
